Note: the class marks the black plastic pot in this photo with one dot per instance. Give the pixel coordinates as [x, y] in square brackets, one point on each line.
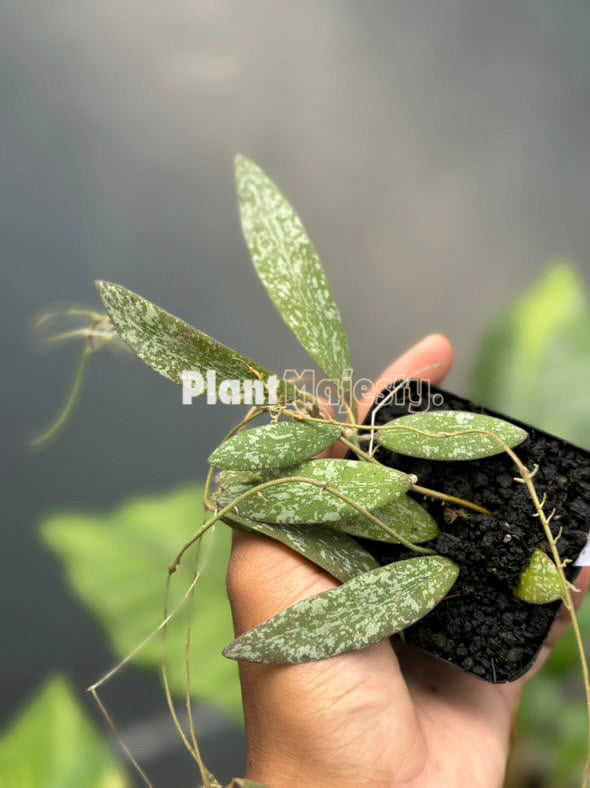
[480, 627]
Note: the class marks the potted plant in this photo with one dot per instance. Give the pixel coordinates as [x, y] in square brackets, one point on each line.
[449, 525]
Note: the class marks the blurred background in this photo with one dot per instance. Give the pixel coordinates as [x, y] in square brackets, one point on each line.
[438, 154]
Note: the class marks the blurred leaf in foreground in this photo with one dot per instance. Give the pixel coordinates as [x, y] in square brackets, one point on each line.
[51, 744]
[117, 565]
[534, 363]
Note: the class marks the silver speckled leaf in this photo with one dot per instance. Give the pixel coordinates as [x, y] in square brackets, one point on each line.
[168, 344]
[403, 514]
[274, 446]
[290, 269]
[361, 612]
[468, 446]
[539, 582]
[336, 553]
[370, 486]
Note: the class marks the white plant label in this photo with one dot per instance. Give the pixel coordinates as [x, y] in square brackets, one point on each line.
[584, 557]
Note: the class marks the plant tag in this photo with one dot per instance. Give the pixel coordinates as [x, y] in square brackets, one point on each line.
[584, 557]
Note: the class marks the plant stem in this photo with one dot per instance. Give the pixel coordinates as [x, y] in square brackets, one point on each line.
[527, 478]
[449, 498]
[68, 407]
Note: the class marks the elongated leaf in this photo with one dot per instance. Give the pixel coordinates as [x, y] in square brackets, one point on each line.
[117, 563]
[52, 744]
[370, 486]
[169, 345]
[274, 446]
[290, 269]
[363, 611]
[336, 553]
[539, 583]
[403, 514]
[463, 446]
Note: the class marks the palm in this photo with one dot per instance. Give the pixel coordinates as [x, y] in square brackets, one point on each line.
[378, 715]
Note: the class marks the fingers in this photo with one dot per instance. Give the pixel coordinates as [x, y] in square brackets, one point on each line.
[429, 359]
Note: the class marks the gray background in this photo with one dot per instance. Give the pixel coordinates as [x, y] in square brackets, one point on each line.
[437, 152]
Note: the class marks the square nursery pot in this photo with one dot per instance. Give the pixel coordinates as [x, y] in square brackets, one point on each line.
[481, 627]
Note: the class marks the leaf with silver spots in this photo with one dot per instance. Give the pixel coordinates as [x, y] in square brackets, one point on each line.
[279, 445]
[363, 611]
[290, 269]
[337, 554]
[450, 435]
[403, 514]
[369, 486]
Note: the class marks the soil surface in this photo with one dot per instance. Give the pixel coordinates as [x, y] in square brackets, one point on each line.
[480, 626]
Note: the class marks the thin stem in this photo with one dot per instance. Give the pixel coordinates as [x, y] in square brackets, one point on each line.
[358, 451]
[449, 498]
[187, 662]
[114, 670]
[527, 477]
[63, 416]
[113, 727]
[111, 673]
[194, 752]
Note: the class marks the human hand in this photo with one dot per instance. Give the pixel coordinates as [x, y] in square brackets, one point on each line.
[385, 715]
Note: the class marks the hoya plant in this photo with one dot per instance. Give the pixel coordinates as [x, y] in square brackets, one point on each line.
[266, 478]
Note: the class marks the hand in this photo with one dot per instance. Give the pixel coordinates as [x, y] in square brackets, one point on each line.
[380, 716]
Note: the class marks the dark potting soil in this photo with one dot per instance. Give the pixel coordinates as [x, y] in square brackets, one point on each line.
[481, 626]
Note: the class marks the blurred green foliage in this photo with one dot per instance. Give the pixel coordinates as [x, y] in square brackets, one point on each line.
[534, 360]
[116, 563]
[535, 365]
[51, 744]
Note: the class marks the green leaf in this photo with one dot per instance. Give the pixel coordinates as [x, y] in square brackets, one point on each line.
[336, 553]
[274, 445]
[461, 446]
[403, 514]
[117, 565]
[539, 582]
[51, 743]
[363, 611]
[169, 345]
[370, 486]
[536, 354]
[290, 269]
